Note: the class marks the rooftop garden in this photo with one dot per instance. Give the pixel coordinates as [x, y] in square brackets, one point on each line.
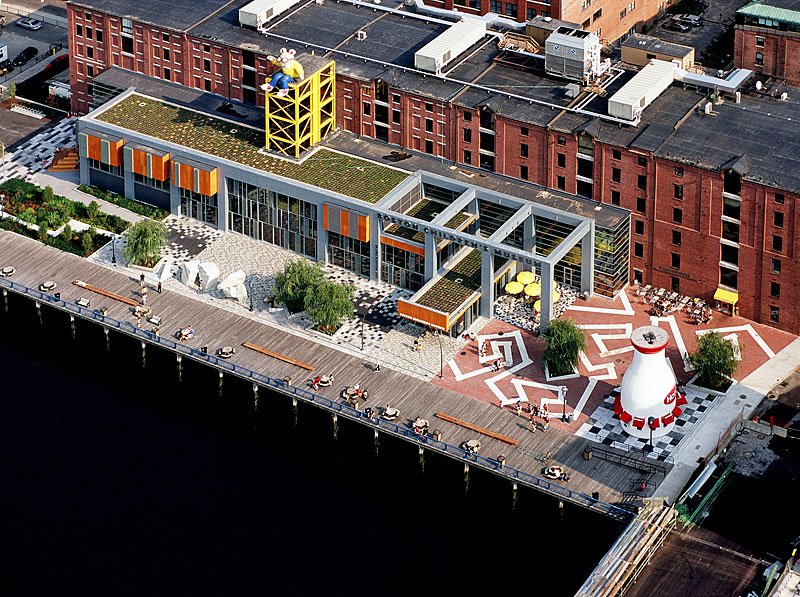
[458, 284]
[350, 176]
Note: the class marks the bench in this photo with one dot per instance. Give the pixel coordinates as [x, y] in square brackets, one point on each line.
[279, 356]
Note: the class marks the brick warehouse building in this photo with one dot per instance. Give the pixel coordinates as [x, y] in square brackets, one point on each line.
[712, 195]
[768, 39]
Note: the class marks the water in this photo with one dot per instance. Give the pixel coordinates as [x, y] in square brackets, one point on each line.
[118, 478]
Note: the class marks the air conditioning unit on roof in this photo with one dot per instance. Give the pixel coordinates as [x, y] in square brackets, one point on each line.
[258, 12]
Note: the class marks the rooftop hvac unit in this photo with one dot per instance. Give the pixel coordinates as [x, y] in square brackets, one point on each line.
[638, 93]
[708, 108]
[361, 35]
[435, 55]
[572, 54]
[258, 12]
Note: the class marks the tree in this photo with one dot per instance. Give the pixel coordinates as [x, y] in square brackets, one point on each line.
[87, 242]
[12, 90]
[329, 303]
[715, 361]
[92, 210]
[297, 278]
[563, 342]
[145, 241]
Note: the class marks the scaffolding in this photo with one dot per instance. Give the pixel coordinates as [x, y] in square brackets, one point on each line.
[298, 121]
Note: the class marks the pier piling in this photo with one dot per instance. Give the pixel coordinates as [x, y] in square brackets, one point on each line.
[335, 425]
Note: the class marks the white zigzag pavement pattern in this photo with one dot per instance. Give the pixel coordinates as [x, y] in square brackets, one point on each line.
[742, 328]
[623, 297]
[676, 334]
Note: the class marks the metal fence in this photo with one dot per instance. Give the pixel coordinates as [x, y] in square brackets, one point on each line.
[339, 408]
[37, 14]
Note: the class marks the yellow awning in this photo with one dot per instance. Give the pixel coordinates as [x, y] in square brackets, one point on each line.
[726, 296]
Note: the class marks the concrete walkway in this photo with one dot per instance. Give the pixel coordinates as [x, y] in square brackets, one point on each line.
[742, 398]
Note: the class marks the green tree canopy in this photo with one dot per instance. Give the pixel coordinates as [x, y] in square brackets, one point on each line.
[296, 279]
[328, 303]
[714, 360]
[563, 342]
[145, 241]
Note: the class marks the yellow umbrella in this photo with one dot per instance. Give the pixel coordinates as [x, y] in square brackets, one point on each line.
[537, 306]
[556, 295]
[533, 289]
[525, 277]
[514, 288]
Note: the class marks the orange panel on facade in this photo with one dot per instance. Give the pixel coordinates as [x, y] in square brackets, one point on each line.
[208, 182]
[344, 223]
[398, 244]
[325, 216]
[186, 177]
[159, 167]
[422, 315]
[139, 162]
[363, 228]
[94, 151]
[115, 152]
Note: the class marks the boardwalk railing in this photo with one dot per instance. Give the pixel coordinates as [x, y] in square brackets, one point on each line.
[334, 406]
[636, 462]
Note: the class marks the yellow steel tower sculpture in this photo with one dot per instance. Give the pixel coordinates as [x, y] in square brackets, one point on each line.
[300, 116]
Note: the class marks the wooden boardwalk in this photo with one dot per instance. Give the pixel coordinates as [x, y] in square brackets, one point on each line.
[216, 327]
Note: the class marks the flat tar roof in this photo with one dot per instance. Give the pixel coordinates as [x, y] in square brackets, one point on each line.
[654, 44]
[176, 15]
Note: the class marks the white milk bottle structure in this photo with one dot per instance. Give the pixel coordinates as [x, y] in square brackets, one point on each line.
[649, 401]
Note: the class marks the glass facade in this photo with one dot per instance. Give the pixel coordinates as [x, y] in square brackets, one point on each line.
[161, 185]
[108, 168]
[349, 253]
[402, 268]
[611, 258]
[272, 217]
[549, 234]
[198, 206]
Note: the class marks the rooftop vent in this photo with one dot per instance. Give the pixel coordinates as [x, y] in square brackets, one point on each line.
[258, 12]
[437, 54]
[361, 35]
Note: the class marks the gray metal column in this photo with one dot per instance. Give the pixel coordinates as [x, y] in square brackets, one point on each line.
[84, 166]
[529, 239]
[487, 284]
[547, 295]
[222, 203]
[587, 261]
[374, 247]
[174, 199]
[430, 256]
[322, 235]
[127, 173]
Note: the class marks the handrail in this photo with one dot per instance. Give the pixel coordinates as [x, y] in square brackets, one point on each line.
[628, 460]
[337, 407]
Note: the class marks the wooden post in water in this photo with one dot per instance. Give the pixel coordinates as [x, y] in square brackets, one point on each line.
[421, 459]
[294, 410]
[5, 300]
[255, 397]
[514, 495]
[72, 326]
[108, 340]
[466, 477]
[335, 425]
[179, 359]
[377, 441]
[144, 354]
[220, 384]
[39, 311]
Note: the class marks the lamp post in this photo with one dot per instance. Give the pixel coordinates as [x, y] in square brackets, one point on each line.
[3, 160]
[114, 249]
[441, 354]
[2, 204]
[562, 391]
[362, 331]
[650, 421]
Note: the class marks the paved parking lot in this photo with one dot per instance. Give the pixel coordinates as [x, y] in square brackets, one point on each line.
[17, 39]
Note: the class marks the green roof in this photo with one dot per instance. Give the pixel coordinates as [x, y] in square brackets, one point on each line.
[427, 210]
[458, 284]
[330, 170]
[773, 13]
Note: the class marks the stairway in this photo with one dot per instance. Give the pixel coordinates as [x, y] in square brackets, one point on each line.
[66, 159]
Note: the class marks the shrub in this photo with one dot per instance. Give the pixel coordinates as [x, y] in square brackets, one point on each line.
[136, 207]
[563, 342]
[92, 210]
[27, 215]
[48, 194]
[87, 242]
[715, 361]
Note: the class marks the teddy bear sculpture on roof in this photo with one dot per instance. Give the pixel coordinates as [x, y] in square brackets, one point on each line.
[290, 71]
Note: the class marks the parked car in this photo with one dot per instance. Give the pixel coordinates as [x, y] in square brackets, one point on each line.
[6, 67]
[692, 20]
[676, 26]
[29, 23]
[25, 55]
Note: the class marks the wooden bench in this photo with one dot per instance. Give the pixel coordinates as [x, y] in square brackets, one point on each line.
[482, 430]
[279, 356]
[112, 295]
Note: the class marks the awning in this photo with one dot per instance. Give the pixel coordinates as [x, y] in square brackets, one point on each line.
[726, 296]
[625, 416]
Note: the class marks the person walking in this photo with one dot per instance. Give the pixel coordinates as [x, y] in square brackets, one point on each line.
[416, 345]
[377, 367]
[141, 280]
[158, 288]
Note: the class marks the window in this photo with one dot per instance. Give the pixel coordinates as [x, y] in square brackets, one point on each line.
[428, 146]
[779, 198]
[428, 107]
[78, 30]
[561, 182]
[776, 266]
[638, 276]
[777, 243]
[523, 150]
[623, 13]
[777, 219]
[729, 254]
[641, 205]
[597, 15]
[511, 10]
[616, 154]
[759, 41]
[642, 161]
[523, 172]
[677, 215]
[367, 108]
[585, 168]
[641, 181]
[167, 74]
[676, 238]
[467, 157]
[677, 191]
[615, 197]
[774, 314]
[586, 145]
[638, 227]
[530, 13]
[638, 250]
[396, 98]
[127, 27]
[675, 260]
[245, 55]
[679, 171]
[729, 277]
[207, 84]
[775, 290]
[206, 65]
[127, 44]
[731, 208]
[395, 116]
[496, 6]
[429, 125]
[675, 284]
[89, 52]
[730, 231]
[524, 131]
[759, 59]
[89, 70]
[561, 140]
[561, 160]
[616, 174]
[88, 33]
[467, 116]
[165, 36]
[165, 53]
[99, 35]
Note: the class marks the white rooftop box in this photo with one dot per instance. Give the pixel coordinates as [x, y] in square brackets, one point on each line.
[436, 54]
[639, 92]
[258, 12]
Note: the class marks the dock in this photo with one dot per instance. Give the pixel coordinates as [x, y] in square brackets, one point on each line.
[595, 483]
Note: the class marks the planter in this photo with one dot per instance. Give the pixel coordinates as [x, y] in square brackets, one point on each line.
[547, 376]
[693, 383]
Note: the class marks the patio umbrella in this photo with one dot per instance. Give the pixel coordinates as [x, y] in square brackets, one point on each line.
[533, 289]
[514, 288]
[537, 306]
[525, 277]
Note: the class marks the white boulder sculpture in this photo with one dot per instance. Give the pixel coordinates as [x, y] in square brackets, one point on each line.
[209, 275]
[233, 287]
[189, 271]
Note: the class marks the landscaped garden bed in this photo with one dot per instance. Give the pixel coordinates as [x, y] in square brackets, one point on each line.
[135, 206]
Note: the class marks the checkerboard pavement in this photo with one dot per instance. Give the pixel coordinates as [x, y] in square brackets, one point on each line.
[187, 238]
[603, 427]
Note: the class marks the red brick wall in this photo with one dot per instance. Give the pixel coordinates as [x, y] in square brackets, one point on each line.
[781, 52]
